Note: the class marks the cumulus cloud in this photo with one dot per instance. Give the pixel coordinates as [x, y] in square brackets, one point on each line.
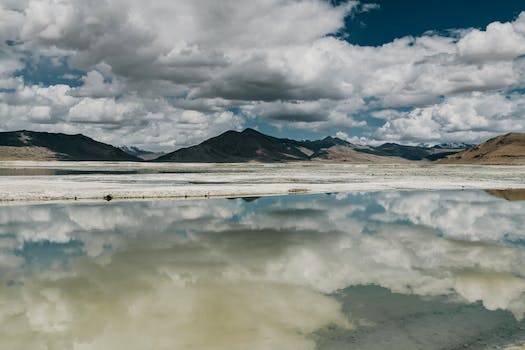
[500, 41]
[148, 63]
[470, 117]
[96, 85]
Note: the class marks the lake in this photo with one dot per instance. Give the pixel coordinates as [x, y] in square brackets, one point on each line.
[362, 270]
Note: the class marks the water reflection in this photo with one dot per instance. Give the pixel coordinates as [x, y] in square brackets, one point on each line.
[412, 269]
[515, 194]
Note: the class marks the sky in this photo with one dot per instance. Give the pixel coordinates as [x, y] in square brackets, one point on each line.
[167, 74]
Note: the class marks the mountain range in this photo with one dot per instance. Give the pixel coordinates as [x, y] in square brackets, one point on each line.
[253, 146]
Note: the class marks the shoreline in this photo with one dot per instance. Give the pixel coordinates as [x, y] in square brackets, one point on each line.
[202, 180]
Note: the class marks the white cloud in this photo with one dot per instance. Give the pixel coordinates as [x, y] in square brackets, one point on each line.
[500, 41]
[470, 117]
[90, 110]
[272, 59]
[355, 139]
[95, 85]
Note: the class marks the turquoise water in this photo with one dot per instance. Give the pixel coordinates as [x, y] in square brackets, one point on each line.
[398, 270]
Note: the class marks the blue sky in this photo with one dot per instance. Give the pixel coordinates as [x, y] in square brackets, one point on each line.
[170, 74]
[395, 19]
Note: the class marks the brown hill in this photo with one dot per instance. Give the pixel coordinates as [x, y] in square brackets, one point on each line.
[508, 149]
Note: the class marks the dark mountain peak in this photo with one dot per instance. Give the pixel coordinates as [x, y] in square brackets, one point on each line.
[335, 140]
[235, 137]
[390, 144]
[254, 133]
[234, 146]
[340, 141]
[250, 131]
[231, 132]
[227, 133]
[327, 142]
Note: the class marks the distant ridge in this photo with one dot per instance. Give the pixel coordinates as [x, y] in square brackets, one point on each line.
[141, 153]
[413, 152]
[252, 145]
[508, 149]
[32, 145]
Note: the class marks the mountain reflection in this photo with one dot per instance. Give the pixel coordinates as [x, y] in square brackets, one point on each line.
[509, 194]
[233, 274]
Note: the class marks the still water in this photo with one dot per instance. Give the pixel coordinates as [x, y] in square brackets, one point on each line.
[396, 270]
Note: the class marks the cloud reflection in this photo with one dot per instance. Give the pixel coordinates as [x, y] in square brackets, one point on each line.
[260, 275]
